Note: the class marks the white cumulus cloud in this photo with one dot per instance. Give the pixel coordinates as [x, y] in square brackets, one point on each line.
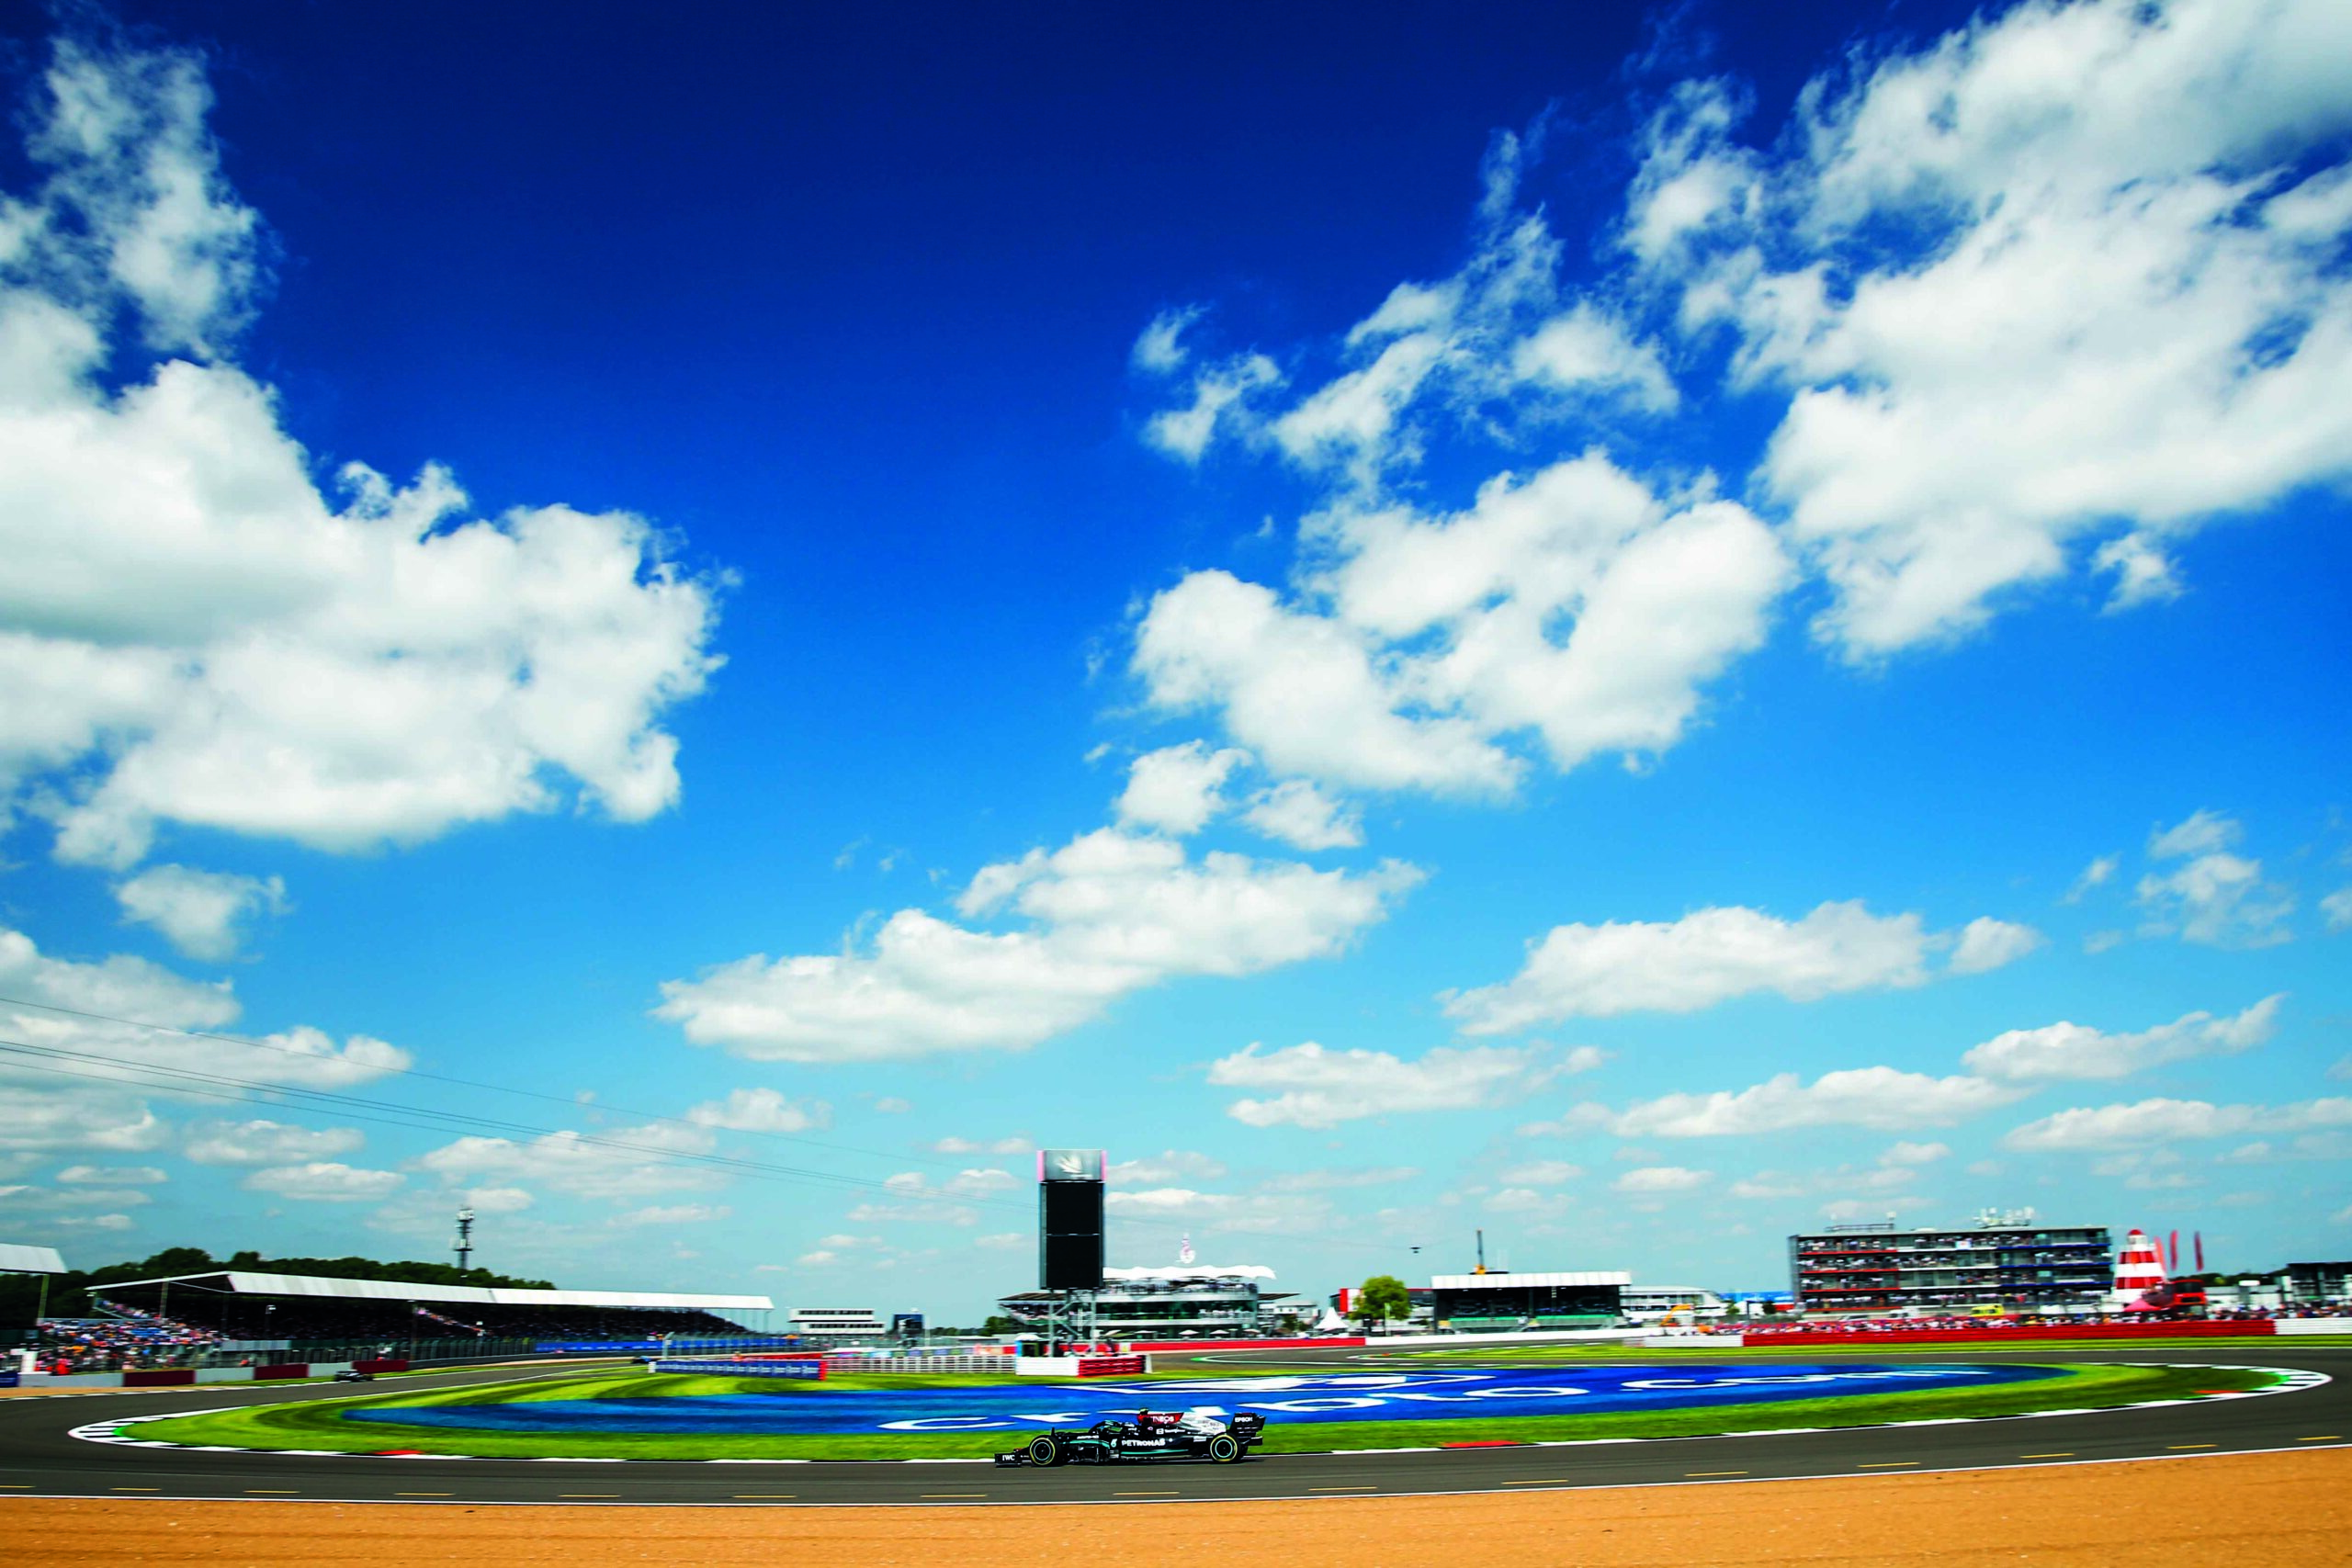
[1540, 1173]
[1298, 813]
[323, 1181]
[762, 1110]
[264, 1142]
[112, 1175]
[1651, 1179]
[1883, 1098]
[1317, 1087]
[76, 1119]
[1165, 1168]
[1159, 348]
[2163, 1120]
[201, 913]
[2214, 897]
[192, 630]
[625, 1162]
[2077, 1051]
[61, 1014]
[1714, 956]
[1178, 788]
[1987, 943]
[1106, 915]
[1572, 611]
[1020, 1144]
[2051, 292]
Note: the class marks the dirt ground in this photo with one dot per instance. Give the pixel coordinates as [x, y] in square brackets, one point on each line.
[2292, 1510]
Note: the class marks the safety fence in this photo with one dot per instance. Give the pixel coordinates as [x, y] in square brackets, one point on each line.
[1140, 1346]
[183, 1377]
[992, 1364]
[2023, 1331]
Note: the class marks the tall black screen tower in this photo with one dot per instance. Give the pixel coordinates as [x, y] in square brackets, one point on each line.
[1069, 1219]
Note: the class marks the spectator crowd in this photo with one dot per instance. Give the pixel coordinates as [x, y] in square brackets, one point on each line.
[129, 1339]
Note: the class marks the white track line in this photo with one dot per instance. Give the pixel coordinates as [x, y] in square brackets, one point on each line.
[2290, 1381]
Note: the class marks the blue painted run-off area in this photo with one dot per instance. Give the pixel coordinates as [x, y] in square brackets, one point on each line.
[1452, 1395]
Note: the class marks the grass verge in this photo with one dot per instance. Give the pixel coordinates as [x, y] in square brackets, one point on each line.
[317, 1424]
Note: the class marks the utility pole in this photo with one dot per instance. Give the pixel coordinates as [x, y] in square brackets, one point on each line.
[465, 1248]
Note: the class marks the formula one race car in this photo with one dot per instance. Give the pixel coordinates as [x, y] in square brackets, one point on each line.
[1152, 1435]
[353, 1374]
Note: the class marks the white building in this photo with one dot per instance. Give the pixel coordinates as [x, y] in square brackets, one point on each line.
[1191, 1301]
[838, 1322]
[1650, 1302]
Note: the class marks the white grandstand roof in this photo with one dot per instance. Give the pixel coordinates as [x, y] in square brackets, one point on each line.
[1498, 1281]
[15, 1260]
[1194, 1271]
[246, 1283]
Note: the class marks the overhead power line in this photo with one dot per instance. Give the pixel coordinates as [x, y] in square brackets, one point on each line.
[826, 1144]
[228, 1088]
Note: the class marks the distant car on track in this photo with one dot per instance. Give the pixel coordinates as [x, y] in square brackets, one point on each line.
[353, 1374]
[1152, 1435]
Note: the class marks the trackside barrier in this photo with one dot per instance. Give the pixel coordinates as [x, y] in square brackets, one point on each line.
[1082, 1366]
[2313, 1325]
[2194, 1329]
[381, 1364]
[677, 1346]
[811, 1368]
[991, 1365]
[277, 1370]
[159, 1377]
[1513, 1336]
[1141, 1347]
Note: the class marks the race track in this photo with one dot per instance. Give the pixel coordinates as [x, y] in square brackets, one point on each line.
[38, 1457]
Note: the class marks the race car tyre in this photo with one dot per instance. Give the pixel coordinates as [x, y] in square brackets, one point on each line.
[1044, 1450]
[1224, 1448]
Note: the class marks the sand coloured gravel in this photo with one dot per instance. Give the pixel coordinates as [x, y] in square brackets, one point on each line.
[2291, 1508]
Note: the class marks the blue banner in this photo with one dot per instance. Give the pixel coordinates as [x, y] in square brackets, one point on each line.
[11, 1380]
[811, 1368]
[655, 1347]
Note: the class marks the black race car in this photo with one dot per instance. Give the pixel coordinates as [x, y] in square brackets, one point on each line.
[1152, 1435]
[353, 1374]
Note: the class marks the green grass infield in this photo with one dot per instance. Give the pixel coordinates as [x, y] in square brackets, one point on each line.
[317, 1424]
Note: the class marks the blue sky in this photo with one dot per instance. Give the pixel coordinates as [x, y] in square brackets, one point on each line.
[1638, 631]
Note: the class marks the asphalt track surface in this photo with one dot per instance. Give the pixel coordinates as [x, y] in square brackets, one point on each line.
[38, 1457]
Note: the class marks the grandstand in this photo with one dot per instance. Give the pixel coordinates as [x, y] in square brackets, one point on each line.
[245, 1308]
[1500, 1300]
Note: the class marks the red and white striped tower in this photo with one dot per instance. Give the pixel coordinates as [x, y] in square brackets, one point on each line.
[2139, 1268]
